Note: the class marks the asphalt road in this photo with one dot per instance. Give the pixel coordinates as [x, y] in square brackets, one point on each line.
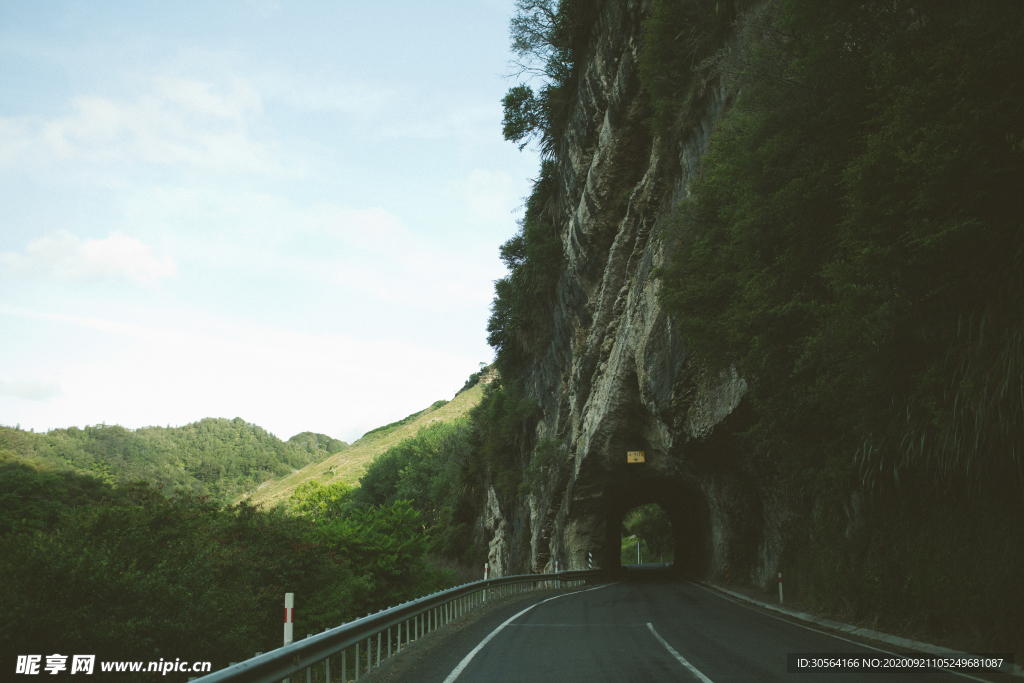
[639, 631]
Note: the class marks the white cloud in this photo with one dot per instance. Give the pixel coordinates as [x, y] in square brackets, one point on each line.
[206, 111]
[31, 390]
[66, 257]
[177, 121]
[366, 251]
[384, 111]
[265, 8]
[15, 136]
[198, 97]
[490, 197]
[373, 228]
[283, 380]
[314, 93]
[421, 118]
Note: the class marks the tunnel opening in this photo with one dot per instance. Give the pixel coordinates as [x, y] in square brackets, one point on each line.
[646, 537]
[683, 509]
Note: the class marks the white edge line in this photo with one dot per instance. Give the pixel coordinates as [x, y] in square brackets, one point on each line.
[678, 656]
[832, 635]
[468, 658]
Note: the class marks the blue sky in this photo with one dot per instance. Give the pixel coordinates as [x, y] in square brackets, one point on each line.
[286, 212]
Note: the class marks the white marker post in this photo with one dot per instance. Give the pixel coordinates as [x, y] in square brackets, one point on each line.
[590, 560]
[487, 569]
[780, 588]
[289, 616]
[558, 582]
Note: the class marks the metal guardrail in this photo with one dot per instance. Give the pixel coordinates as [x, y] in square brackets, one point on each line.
[419, 617]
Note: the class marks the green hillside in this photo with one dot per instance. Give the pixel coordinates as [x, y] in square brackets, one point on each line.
[213, 456]
[350, 464]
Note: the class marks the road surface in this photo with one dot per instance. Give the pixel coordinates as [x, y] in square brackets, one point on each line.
[642, 631]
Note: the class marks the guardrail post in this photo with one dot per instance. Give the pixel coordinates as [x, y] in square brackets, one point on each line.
[309, 669]
[357, 661]
[327, 664]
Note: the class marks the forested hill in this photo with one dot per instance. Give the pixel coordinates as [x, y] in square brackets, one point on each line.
[213, 456]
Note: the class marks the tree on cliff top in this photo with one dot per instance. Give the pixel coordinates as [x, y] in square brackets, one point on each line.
[548, 40]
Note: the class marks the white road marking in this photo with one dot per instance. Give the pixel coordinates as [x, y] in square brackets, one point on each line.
[678, 656]
[468, 658]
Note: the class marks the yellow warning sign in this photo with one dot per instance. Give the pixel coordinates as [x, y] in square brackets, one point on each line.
[634, 456]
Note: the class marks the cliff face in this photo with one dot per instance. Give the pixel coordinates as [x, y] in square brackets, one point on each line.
[616, 376]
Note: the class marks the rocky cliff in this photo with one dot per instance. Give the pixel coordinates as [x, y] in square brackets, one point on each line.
[616, 376]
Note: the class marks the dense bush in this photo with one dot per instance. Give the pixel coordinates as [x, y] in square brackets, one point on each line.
[436, 472]
[447, 469]
[521, 321]
[124, 572]
[314, 442]
[213, 456]
[853, 246]
[505, 420]
[651, 525]
[317, 500]
[547, 457]
[679, 37]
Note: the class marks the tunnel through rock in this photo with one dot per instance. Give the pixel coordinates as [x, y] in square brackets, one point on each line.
[682, 503]
[647, 536]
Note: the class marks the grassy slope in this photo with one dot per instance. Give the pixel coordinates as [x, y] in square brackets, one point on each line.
[348, 465]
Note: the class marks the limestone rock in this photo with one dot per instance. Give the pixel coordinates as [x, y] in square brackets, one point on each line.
[617, 376]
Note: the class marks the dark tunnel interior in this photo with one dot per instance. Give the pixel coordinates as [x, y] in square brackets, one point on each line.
[686, 508]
